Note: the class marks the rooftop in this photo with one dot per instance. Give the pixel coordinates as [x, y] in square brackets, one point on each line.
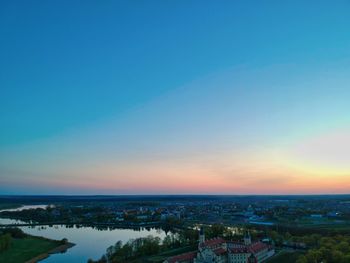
[213, 242]
[183, 257]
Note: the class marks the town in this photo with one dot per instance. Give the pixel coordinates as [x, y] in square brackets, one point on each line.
[200, 228]
[291, 211]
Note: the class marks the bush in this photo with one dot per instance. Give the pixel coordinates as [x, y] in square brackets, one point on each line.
[64, 241]
[14, 232]
[5, 242]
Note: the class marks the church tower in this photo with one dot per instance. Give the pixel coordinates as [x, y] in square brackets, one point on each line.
[252, 259]
[201, 235]
[247, 239]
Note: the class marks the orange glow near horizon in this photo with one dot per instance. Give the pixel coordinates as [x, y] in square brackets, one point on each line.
[262, 173]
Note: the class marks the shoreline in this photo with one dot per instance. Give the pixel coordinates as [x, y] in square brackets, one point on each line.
[56, 250]
[117, 225]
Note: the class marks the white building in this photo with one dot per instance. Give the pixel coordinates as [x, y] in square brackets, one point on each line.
[218, 250]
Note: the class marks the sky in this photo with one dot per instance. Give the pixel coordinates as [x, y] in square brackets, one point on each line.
[174, 97]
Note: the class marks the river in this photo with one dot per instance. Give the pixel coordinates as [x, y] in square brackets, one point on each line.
[90, 242]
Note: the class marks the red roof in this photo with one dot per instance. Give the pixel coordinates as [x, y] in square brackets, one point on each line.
[238, 250]
[219, 251]
[257, 246]
[183, 257]
[253, 248]
[213, 242]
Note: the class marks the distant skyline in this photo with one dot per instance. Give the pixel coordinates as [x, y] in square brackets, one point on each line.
[175, 97]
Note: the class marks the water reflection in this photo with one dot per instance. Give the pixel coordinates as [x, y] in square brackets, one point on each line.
[91, 242]
[25, 207]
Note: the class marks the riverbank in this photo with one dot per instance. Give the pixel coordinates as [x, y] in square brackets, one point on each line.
[32, 249]
[5, 206]
[82, 224]
[84, 237]
[59, 249]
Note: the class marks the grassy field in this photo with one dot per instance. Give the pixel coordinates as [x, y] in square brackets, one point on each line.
[27, 248]
[163, 256]
[285, 257]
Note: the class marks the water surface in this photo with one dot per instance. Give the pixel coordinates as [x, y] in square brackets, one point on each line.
[90, 242]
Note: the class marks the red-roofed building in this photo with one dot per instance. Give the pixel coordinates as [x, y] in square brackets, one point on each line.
[183, 258]
[212, 243]
[219, 250]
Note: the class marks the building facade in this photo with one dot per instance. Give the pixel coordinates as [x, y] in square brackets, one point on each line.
[218, 250]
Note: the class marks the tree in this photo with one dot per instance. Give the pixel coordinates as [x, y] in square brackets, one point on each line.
[346, 259]
[167, 242]
[302, 259]
[337, 256]
[314, 256]
[343, 246]
[5, 242]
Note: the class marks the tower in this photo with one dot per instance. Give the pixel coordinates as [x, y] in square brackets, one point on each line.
[252, 259]
[247, 239]
[201, 235]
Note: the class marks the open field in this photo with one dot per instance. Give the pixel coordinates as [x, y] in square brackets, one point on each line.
[173, 252]
[285, 257]
[27, 248]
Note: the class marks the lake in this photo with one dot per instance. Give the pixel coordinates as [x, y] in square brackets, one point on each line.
[90, 242]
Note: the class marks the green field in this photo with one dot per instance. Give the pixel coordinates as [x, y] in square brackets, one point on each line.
[285, 257]
[27, 248]
[164, 255]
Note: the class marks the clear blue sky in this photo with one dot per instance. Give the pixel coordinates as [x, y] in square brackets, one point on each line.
[112, 82]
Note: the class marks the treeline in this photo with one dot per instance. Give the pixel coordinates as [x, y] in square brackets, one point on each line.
[146, 246]
[5, 242]
[13, 232]
[28, 215]
[131, 250]
[137, 249]
[334, 248]
[297, 230]
[328, 250]
[60, 214]
[6, 236]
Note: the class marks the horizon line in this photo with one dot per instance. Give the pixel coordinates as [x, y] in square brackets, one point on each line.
[170, 195]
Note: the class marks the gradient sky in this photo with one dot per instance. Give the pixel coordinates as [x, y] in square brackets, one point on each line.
[174, 97]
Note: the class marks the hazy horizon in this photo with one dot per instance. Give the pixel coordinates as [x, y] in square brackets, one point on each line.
[175, 97]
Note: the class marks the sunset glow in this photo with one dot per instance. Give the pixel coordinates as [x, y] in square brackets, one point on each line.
[182, 104]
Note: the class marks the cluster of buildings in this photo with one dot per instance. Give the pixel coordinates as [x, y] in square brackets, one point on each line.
[218, 250]
[148, 214]
[233, 210]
